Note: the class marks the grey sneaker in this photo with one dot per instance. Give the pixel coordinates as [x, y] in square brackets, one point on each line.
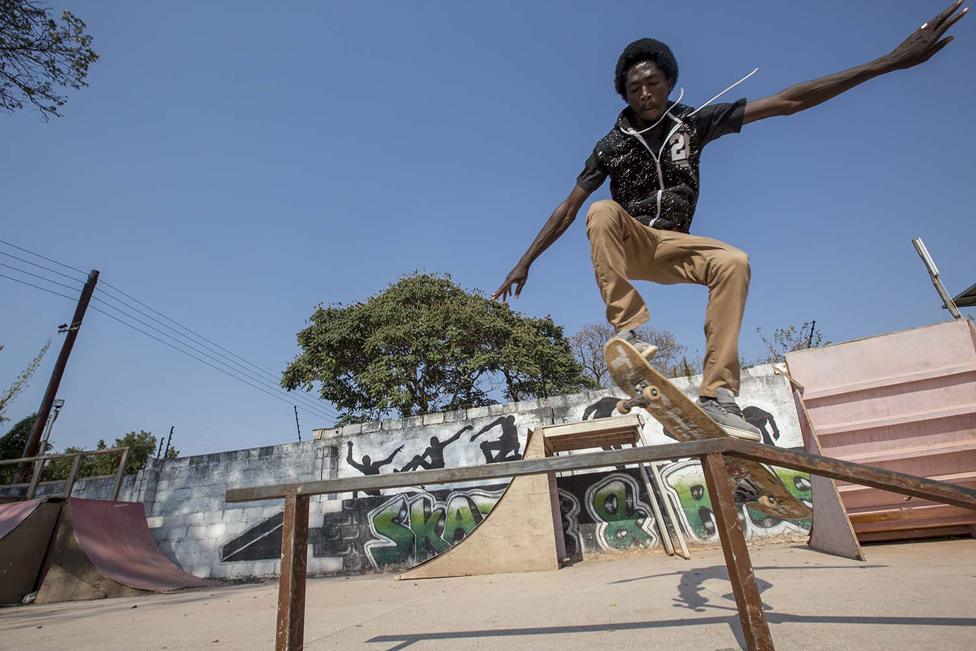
[643, 348]
[723, 410]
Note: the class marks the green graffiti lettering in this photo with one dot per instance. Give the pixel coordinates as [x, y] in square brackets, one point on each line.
[394, 541]
[615, 504]
[460, 519]
[425, 518]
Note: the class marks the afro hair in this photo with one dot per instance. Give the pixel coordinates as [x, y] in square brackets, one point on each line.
[645, 49]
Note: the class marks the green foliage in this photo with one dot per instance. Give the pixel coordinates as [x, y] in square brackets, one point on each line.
[142, 445]
[12, 446]
[791, 338]
[38, 53]
[425, 345]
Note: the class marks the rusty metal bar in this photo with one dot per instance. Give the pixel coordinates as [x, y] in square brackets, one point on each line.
[291, 582]
[38, 467]
[506, 469]
[70, 484]
[857, 473]
[87, 453]
[743, 578]
[119, 474]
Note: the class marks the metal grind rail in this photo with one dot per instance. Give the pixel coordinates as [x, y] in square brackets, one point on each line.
[711, 453]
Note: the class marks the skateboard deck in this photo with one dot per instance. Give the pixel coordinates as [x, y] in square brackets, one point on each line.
[685, 421]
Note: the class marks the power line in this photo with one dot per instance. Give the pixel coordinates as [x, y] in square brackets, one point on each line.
[66, 266]
[202, 361]
[194, 333]
[44, 278]
[224, 358]
[312, 407]
[308, 404]
[24, 282]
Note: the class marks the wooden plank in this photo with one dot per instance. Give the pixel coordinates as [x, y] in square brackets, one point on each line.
[291, 582]
[602, 432]
[743, 578]
[484, 472]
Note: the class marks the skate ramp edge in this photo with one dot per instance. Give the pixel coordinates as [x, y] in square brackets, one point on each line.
[517, 535]
[26, 529]
[104, 549]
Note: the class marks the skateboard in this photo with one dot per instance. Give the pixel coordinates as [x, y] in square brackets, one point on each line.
[685, 421]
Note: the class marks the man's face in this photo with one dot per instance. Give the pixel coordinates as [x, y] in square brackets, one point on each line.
[647, 91]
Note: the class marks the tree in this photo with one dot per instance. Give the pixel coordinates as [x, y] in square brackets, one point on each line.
[12, 446]
[424, 345]
[39, 53]
[22, 381]
[786, 340]
[142, 446]
[587, 345]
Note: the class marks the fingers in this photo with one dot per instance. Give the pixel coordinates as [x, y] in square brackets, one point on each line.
[952, 21]
[941, 16]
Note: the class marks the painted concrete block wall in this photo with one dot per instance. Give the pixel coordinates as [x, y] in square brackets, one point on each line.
[604, 510]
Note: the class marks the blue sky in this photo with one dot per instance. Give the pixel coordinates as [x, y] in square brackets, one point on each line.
[234, 164]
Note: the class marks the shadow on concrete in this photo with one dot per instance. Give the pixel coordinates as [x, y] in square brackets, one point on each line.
[404, 641]
[691, 597]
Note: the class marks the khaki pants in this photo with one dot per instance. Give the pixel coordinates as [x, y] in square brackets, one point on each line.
[623, 249]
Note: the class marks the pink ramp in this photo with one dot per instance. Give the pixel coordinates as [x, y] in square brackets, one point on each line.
[12, 514]
[26, 529]
[104, 549]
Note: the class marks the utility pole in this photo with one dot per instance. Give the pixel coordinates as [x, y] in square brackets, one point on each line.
[297, 426]
[168, 440]
[34, 441]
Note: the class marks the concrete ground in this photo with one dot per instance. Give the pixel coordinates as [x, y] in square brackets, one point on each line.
[906, 596]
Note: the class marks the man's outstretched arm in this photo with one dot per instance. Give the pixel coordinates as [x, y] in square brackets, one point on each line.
[556, 225]
[918, 48]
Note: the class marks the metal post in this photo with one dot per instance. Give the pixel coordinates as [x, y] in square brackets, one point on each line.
[35, 480]
[743, 578]
[75, 465]
[166, 452]
[934, 275]
[31, 449]
[119, 474]
[662, 526]
[669, 510]
[291, 582]
[297, 426]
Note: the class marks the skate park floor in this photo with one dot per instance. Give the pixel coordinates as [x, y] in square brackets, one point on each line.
[905, 596]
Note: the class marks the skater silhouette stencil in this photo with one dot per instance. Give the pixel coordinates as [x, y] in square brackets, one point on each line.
[506, 448]
[433, 456]
[369, 467]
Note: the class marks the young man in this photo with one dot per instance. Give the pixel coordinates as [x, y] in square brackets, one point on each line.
[651, 157]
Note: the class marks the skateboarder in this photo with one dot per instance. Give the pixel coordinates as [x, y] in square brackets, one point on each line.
[506, 448]
[651, 156]
[369, 467]
[435, 453]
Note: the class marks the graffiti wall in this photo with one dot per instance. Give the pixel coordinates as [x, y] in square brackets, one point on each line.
[606, 511]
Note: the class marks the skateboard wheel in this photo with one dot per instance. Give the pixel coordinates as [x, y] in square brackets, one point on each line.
[652, 393]
[623, 407]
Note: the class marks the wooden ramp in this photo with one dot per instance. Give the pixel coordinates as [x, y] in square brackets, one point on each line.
[25, 531]
[522, 533]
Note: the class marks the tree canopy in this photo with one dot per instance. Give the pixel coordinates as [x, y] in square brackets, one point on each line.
[587, 345]
[12, 446]
[40, 54]
[424, 345]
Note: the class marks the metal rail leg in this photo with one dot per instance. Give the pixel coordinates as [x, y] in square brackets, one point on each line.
[669, 511]
[291, 584]
[743, 578]
[662, 526]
